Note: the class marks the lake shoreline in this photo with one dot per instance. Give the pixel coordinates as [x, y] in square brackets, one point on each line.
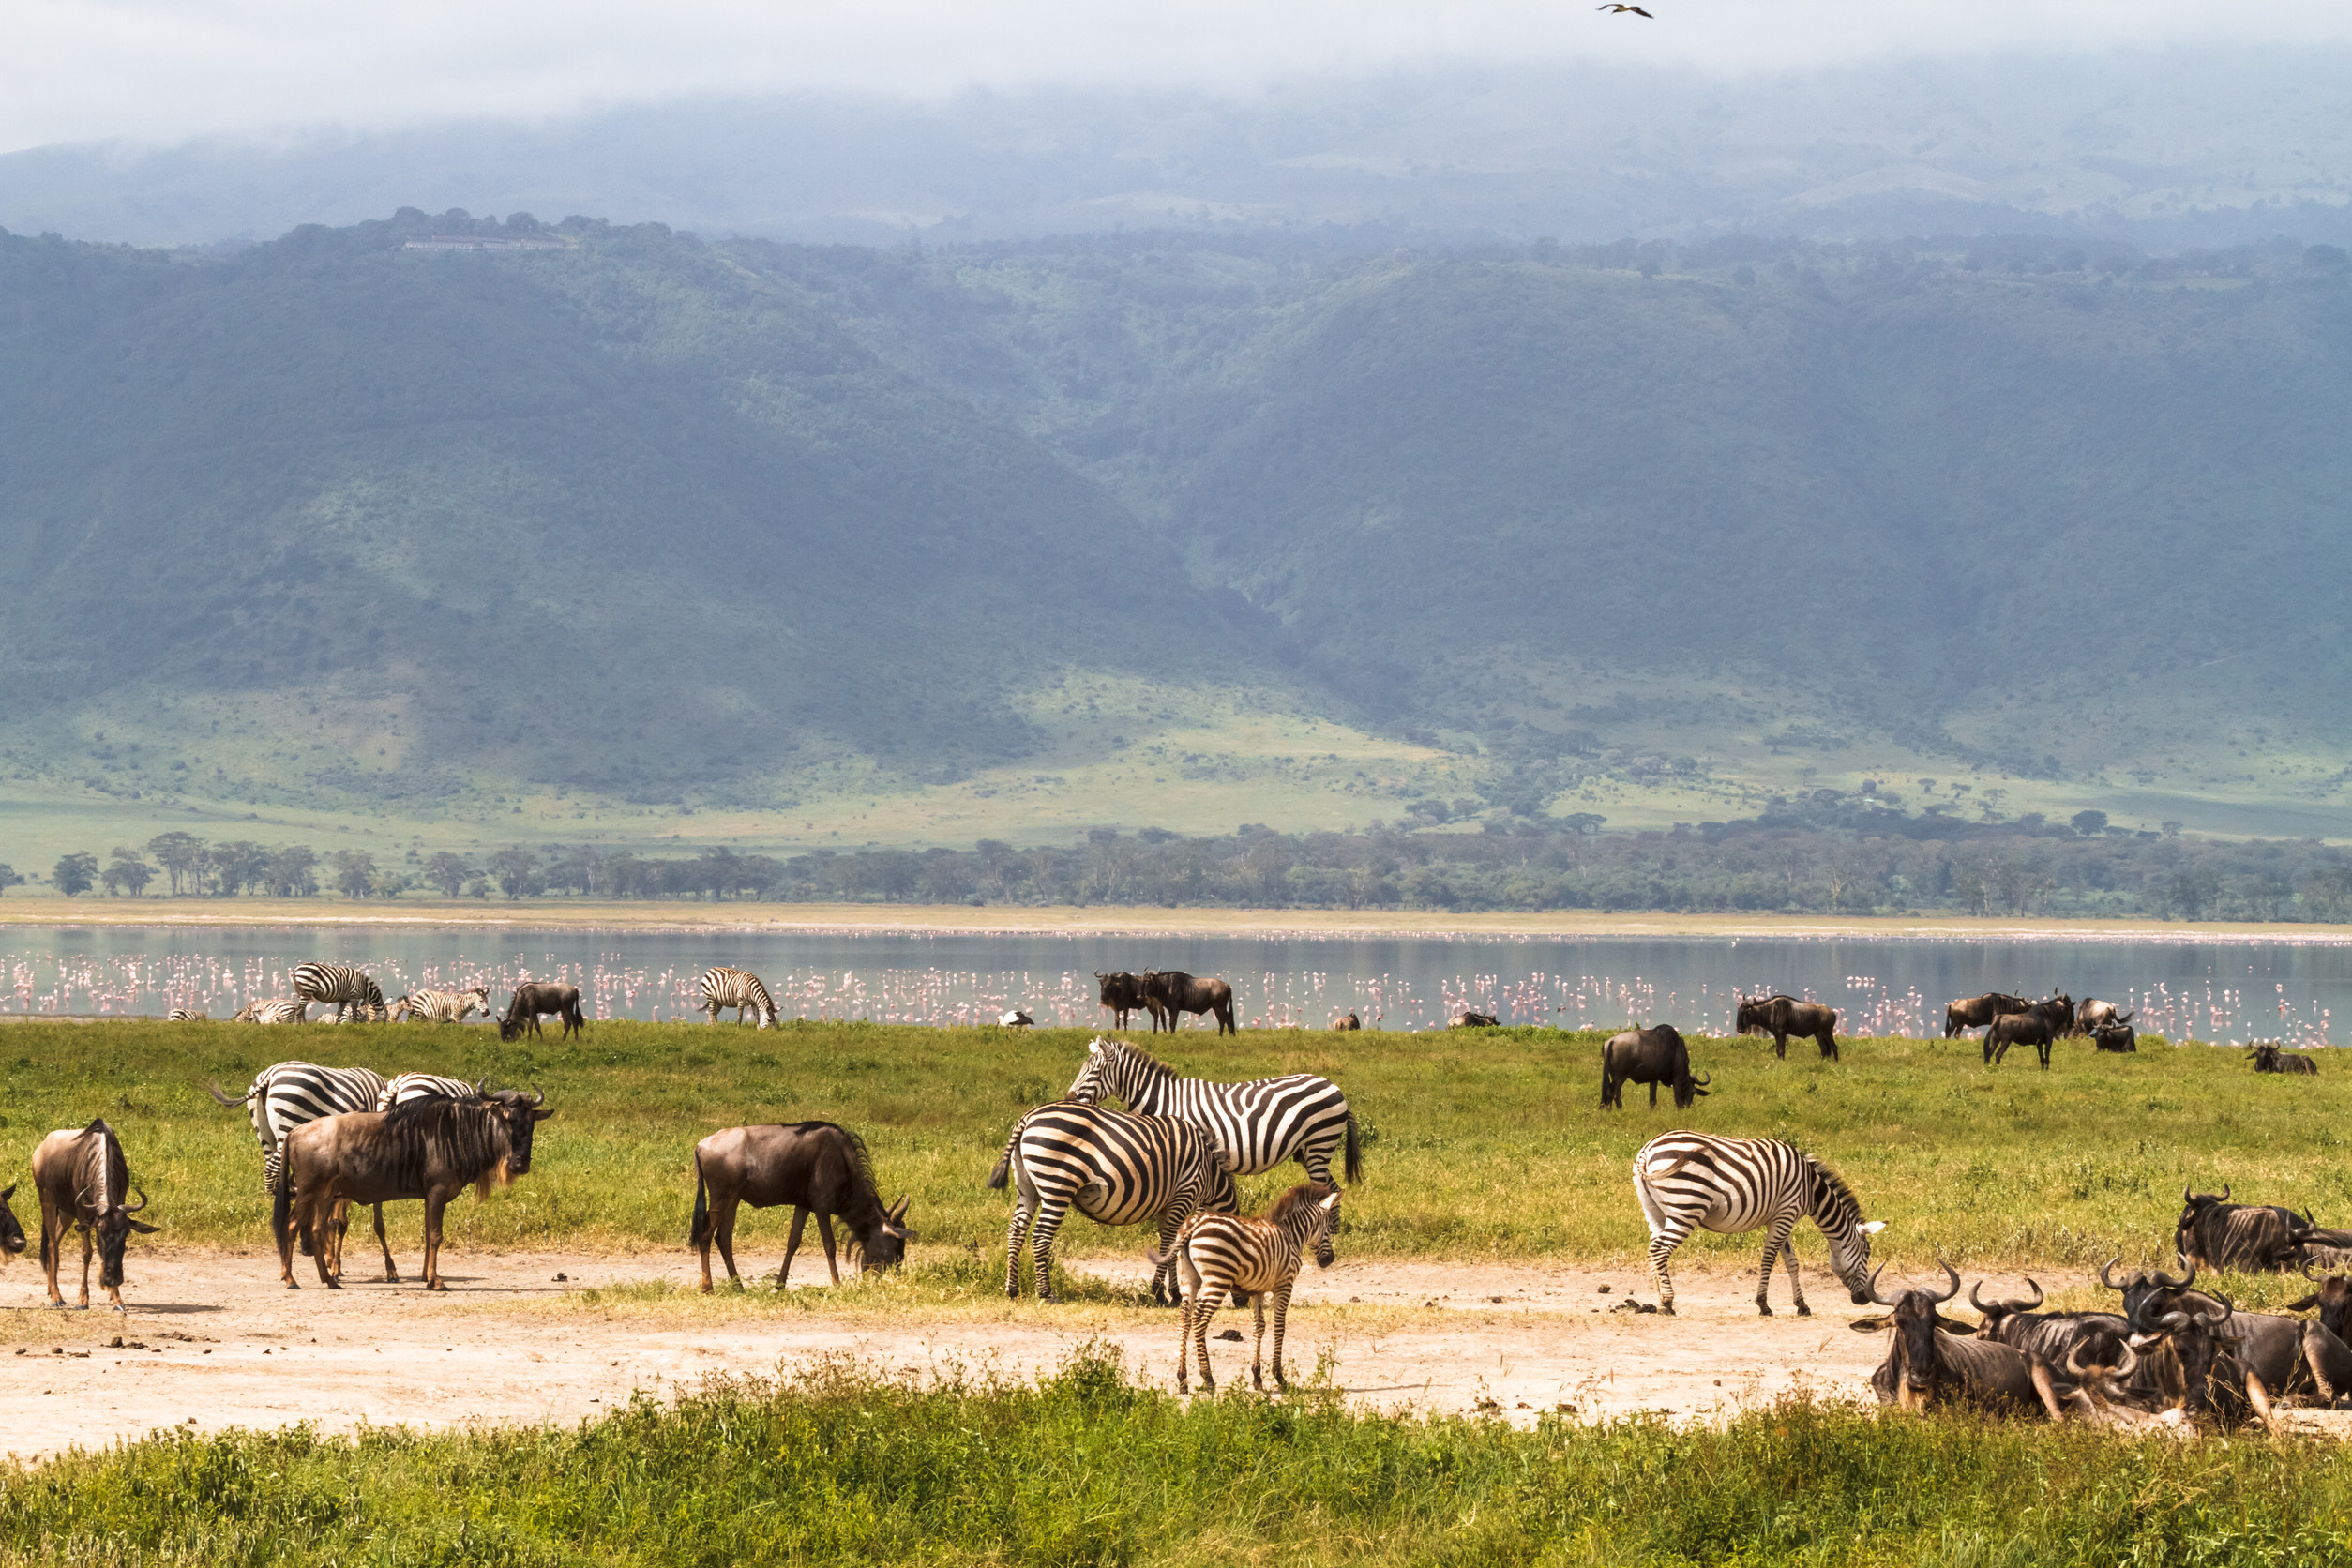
[1118, 921]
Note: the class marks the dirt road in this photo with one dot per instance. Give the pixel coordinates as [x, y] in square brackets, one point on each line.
[212, 1340]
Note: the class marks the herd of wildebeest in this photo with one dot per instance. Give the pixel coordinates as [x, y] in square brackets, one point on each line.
[2173, 1353]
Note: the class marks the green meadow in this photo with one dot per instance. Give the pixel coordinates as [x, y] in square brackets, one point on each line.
[1479, 1143]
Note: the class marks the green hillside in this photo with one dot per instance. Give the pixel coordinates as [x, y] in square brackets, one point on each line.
[839, 545]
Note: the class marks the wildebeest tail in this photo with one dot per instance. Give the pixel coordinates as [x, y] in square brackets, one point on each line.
[1355, 1152]
[700, 1229]
[225, 1100]
[281, 1204]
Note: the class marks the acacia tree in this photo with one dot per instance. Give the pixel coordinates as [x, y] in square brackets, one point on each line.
[126, 871]
[74, 875]
[449, 872]
[177, 853]
[10, 877]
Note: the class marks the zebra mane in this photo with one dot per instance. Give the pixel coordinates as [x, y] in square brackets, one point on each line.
[1831, 1191]
[1141, 1057]
[1300, 1197]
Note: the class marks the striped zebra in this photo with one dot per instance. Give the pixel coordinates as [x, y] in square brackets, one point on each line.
[187, 1014]
[1262, 1123]
[724, 987]
[1116, 1168]
[1253, 1259]
[411, 1087]
[286, 1095]
[1734, 1184]
[442, 1006]
[276, 1009]
[348, 989]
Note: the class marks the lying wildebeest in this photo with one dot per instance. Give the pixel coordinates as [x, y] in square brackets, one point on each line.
[537, 999]
[1782, 1015]
[83, 1179]
[2332, 1299]
[2052, 1337]
[2317, 1244]
[1349, 1021]
[2268, 1056]
[2117, 1034]
[1476, 1021]
[1123, 993]
[428, 1149]
[1652, 1056]
[1977, 1011]
[2091, 1013]
[1932, 1359]
[2219, 1236]
[2188, 1350]
[816, 1166]
[1171, 993]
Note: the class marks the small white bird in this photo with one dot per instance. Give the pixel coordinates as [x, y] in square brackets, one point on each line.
[1015, 1019]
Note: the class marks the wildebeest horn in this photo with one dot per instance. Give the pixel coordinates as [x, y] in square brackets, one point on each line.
[1950, 1290]
[481, 1088]
[9, 1194]
[2160, 1277]
[898, 1211]
[1882, 1301]
[539, 1095]
[2187, 1196]
[2102, 1272]
[2224, 1192]
[134, 1208]
[2227, 1307]
[1705, 1081]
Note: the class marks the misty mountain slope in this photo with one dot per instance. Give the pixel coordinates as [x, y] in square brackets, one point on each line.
[623, 516]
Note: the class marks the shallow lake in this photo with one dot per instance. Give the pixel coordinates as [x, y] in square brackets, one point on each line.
[2208, 990]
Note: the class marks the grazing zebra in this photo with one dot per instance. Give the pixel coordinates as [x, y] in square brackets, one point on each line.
[280, 1009]
[1252, 1257]
[1262, 1123]
[348, 988]
[286, 1095]
[739, 989]
[442, 1006]
[1733, 1185]
[187, 1014]
[409, 1087]
[1117, 1168]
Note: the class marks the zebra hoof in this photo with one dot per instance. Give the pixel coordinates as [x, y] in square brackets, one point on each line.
[1763, 1310]
[1667, 1307]
[1804, 1311]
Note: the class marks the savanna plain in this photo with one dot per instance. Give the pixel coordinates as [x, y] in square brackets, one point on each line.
[1461, 1388]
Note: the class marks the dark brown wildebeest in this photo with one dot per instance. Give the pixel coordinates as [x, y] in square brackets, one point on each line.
[2029, 1028]
[1782, 1015]
[816, 1166]
[1173, 993]
[1476, 1021]
[429, 1148]
[11, 1234]
[2052, 1337]
[2117, 1034]
[1349, 1021]
[537, 999]
[1977, 1011]
[1123, 993]
[1932, 1359]
[2188, 1347]
[2315, 1243]
[2269, 1056]
[2220, 1236]
[2333, 1300]
[1652, 1056]
[83, 1179]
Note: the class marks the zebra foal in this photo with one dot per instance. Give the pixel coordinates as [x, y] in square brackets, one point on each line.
[724, 987]
[1253, 1256]
[1115, 1169]
[1261, 1122]
[442, 1006]
[351, 991]
[1735, 1185]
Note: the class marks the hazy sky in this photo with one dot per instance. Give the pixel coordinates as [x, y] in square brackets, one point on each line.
[166, 70]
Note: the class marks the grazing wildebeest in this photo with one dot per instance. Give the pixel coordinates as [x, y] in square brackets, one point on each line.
[1977, 1011]
[2027, 1028]
[1349, 1021]
[2091, 1013]
[2117, 1034]
[428, 1149]
[11, 1234]
[1476, 1021]
[1932, 1359]
[816, 1166]
[536, 999]
[83, 1179]
[1173, 993]
[2268, 1056]
[1782, 1015]
[1123, 993]
[2220, 1236]
[1652, 1056]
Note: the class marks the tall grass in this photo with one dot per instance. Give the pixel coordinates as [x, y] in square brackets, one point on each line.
[1480, 1144]
[836, 1465]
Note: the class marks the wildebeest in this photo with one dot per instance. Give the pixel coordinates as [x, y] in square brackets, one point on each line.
[1652, 1056]
[1977, 1011]
[816, 1166]
[1123, 993]
[2029, 1028]
[427, 1149]
[2219, 1236]
[1782, 1015]
[2268, 1056]
[2189, 1358]
[2052, 1337]
[1348, 1021]
[11, 1234]
[1931, 1359]
[83, 1179]
[1476, 1021]
[536, 999]
[2333, 1300]
[1173, 993]
[2091, 1013]
[2117, 1034]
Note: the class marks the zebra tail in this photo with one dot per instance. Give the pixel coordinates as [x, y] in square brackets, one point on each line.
[700, 1229]
[1157, 1258]
[1355, 1152]
[225, 1100]
[1004, 1165]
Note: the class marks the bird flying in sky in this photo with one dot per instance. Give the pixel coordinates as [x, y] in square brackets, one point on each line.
[1618, 8]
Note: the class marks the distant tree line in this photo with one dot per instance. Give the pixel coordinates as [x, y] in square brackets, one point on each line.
[1825, 854]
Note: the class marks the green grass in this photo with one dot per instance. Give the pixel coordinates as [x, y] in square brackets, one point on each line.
[839, 1466]
[1480, 1144]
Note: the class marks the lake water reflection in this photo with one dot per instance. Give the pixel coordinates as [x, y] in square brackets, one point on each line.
[2209, 989]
